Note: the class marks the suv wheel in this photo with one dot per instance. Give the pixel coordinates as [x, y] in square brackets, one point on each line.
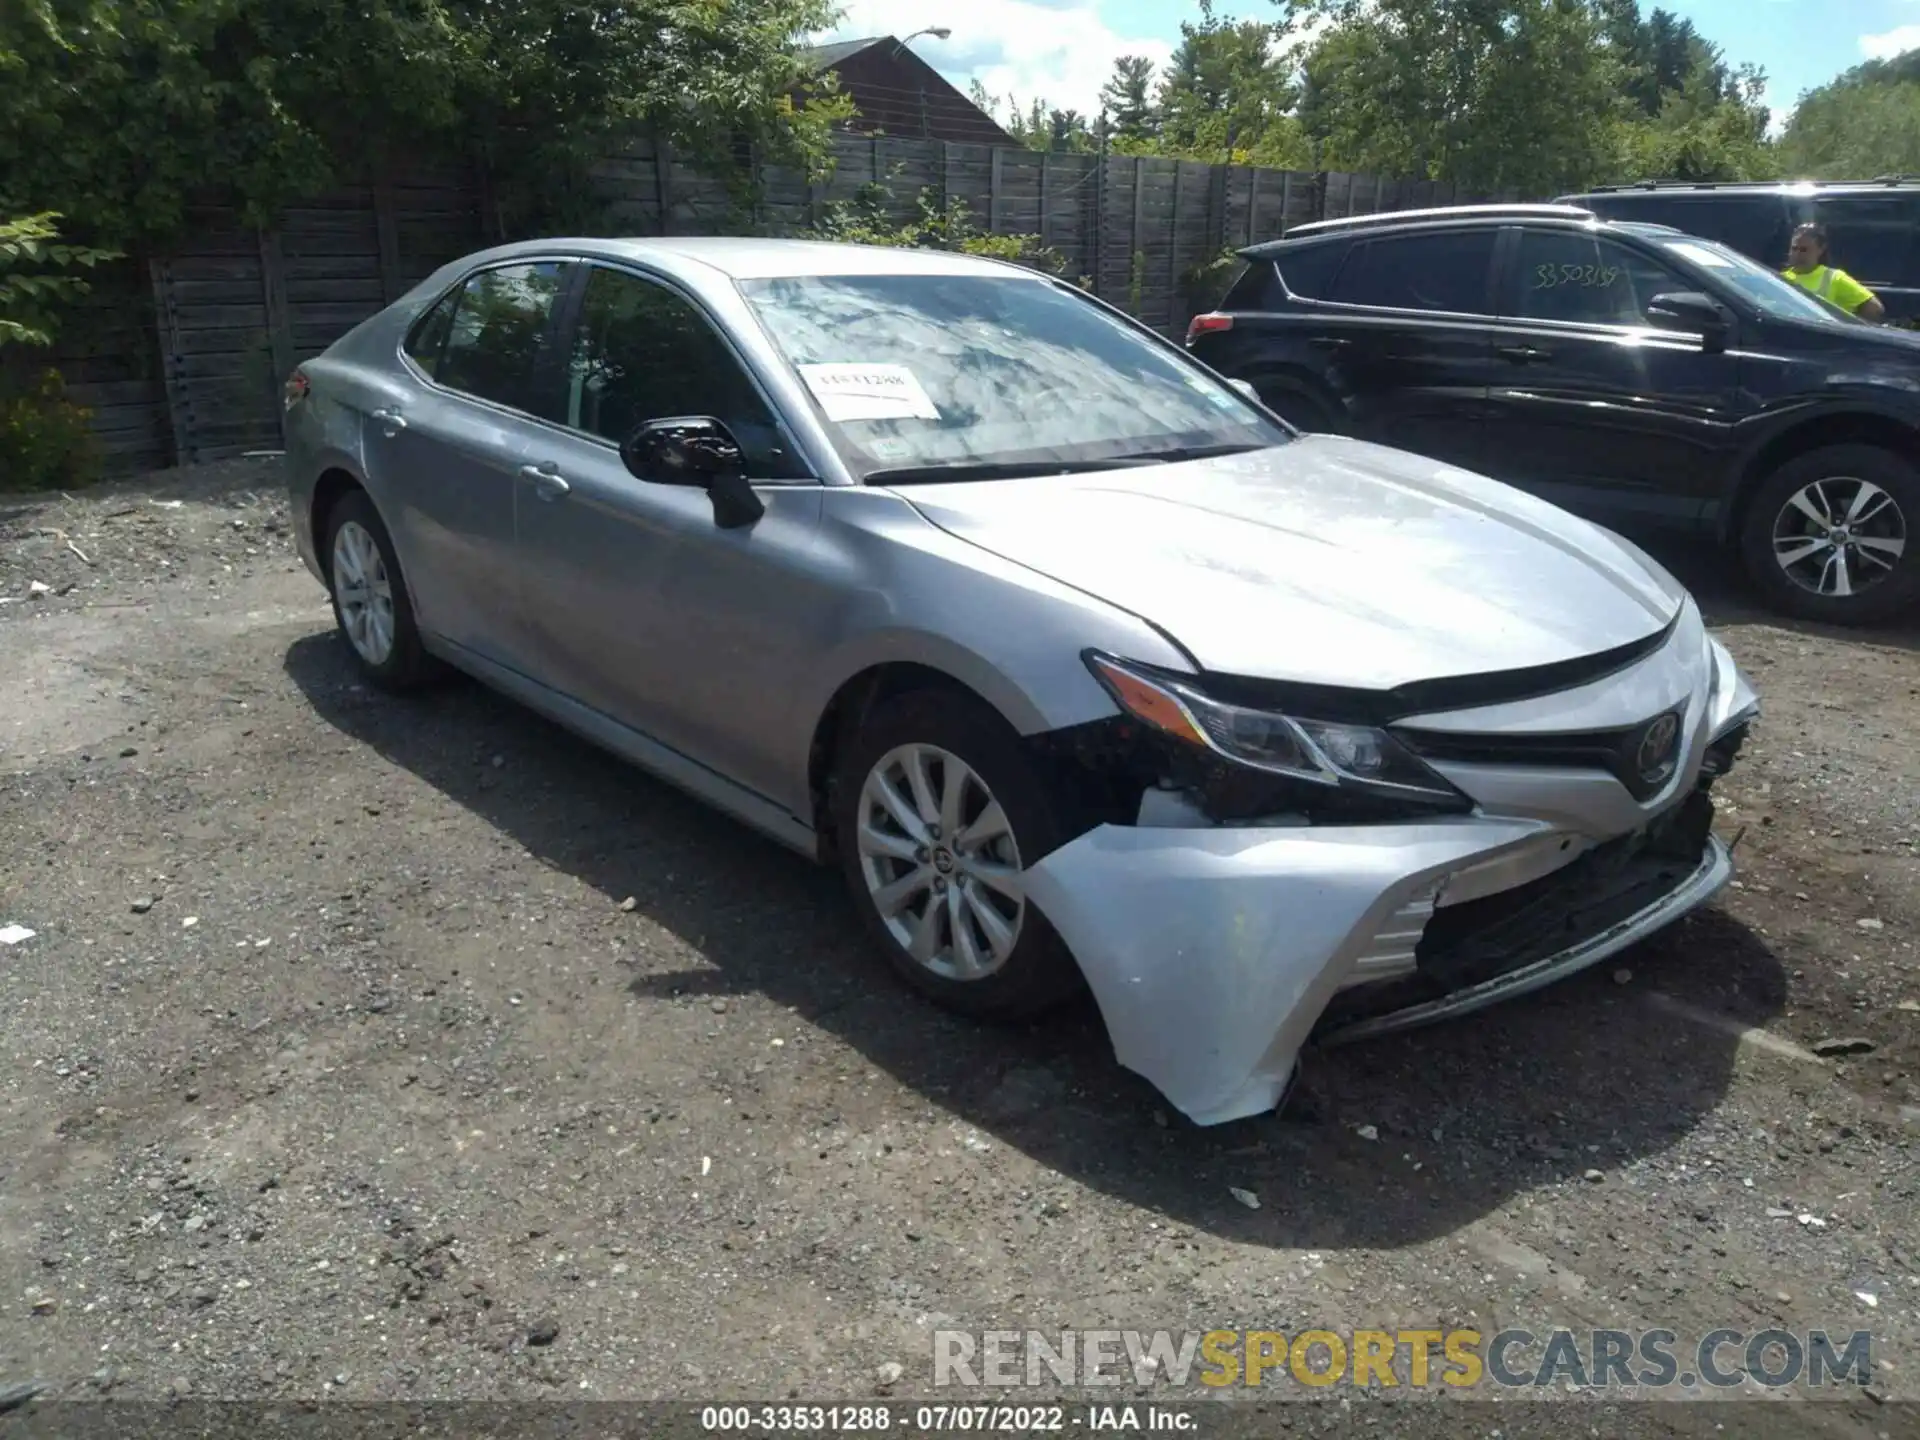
[938, 813]
[1831, 535]
[1301, 411]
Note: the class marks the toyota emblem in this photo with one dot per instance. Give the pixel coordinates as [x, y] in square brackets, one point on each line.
[1657, 746]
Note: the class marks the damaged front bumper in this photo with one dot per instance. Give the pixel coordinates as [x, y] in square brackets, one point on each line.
[1216, 953]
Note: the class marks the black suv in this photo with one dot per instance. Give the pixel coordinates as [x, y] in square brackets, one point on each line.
[1873, 226]
[1631, 373]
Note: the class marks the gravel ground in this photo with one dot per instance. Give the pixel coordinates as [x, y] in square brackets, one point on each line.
[377, 1049]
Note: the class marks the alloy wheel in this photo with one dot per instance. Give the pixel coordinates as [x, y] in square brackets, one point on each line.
[940, 862]
[363, 591]
[1839, 536]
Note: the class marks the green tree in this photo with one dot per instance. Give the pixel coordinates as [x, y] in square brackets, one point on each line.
[44, 439]
[1865, 122]
[1493, 95]
[1227, 94]
[1128, 99]
[1685, 113]
[121, 112]
[1711, 128]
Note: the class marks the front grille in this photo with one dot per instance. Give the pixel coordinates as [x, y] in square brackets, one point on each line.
[1618, 752]
[1480, 940]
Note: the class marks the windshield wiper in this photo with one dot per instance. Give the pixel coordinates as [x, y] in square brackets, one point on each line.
[1000, 470]
[1191, 452]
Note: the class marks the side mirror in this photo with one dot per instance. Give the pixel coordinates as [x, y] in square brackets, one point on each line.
[1246, 389]
[695, 450]
[1693, 312]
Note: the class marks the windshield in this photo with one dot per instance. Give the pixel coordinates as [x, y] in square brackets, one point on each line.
[917, 372]
[1778, 297]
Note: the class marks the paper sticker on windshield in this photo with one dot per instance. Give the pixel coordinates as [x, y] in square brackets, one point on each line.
[868, 392]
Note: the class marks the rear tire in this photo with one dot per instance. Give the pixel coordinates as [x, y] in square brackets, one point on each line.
[369, 594]
[914, 854]
[1831, 536]
[1299, 410]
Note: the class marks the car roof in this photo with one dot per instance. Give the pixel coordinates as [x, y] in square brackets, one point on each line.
[1440, 218]
[756, 258]
[1889, 185]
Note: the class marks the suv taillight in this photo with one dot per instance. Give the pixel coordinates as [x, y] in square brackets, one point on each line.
[1207, 324]
[296, 389]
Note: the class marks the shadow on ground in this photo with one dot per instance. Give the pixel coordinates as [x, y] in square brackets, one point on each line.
[1582, 1076]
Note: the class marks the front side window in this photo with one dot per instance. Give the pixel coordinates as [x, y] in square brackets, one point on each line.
[944, 370]
[494, 337]
[1585, 279]
[1758, 283]
[1447, 271]
[644, 352]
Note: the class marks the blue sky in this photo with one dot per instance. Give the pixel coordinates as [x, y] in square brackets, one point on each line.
[1063, 49]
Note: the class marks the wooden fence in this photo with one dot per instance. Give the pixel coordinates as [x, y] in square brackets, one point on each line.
[182, 357]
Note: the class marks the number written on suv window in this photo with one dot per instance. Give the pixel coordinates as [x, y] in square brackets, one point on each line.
[1582, 279]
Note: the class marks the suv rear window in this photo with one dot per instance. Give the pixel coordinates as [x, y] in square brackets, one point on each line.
[1308, 272]
[1445, 271]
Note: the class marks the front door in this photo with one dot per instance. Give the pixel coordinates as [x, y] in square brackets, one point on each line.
[443, 449]
[642, 607]
[1409, 338]
[1593, 408]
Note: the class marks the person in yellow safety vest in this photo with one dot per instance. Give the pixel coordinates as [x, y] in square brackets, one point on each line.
[1807, 267]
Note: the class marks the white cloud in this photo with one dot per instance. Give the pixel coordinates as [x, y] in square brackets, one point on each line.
[1890, 43]
[1061, 52]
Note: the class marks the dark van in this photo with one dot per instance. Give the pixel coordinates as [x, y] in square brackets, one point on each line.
[1874, 225]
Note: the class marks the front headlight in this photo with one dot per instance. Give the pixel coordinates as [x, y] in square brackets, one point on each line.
[1321, 752]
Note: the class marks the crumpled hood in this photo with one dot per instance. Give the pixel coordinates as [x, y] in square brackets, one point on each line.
[1325, 561]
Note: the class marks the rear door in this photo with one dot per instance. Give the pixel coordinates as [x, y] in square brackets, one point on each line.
[443, 452]
[1407, 326]
[1593, 408]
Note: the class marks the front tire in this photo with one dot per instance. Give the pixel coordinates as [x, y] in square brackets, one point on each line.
[369, 594]
[1830, 536]
[938, 814]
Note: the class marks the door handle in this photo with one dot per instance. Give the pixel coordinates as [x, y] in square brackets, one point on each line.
[1523, 354]
[392, 422]
[1329, 342]
[547, 483]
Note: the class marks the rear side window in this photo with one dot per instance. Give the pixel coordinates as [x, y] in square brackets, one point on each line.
[1257, 288]
[499, 323]
[1869, 236]
[429, 334]
[1309, 272]
[1447, 271]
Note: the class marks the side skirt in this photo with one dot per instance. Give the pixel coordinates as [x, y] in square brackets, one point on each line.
[747, 806]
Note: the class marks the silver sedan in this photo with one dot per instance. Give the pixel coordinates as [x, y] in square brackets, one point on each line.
[1085, 669]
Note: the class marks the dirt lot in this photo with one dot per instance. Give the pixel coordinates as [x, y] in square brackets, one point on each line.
[382, 1049]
